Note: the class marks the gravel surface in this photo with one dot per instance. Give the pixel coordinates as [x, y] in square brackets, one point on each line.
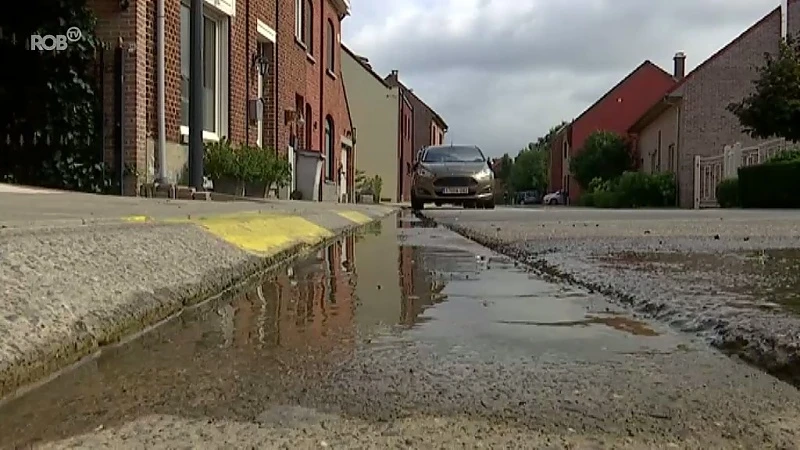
[731, 276]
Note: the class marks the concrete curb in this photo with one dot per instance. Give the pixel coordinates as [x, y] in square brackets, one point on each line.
[765, 352]
[51, 324]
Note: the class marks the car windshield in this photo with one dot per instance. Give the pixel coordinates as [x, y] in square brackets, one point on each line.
[453, 154]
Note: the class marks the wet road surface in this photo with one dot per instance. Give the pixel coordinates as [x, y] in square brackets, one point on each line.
[408, 337]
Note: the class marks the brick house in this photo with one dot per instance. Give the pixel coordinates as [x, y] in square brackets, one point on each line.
[429, 127]
[304, 102]
[691, 119]
[382, 117]
[615, 111]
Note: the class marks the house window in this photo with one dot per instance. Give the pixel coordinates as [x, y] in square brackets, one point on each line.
[329, 156]
[299, 133]
[653, 167]
[309, 26]
[331, 46]
[308, 144]
[299, 19]
[658, 153]
[441, 138]
[671, 157]
[214, 71]
[565, 149]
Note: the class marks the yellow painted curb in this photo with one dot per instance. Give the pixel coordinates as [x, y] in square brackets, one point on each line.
[263, 234]
[136, 218]
[355, 216]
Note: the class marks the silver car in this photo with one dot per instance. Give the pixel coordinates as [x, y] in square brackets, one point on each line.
[452, 174]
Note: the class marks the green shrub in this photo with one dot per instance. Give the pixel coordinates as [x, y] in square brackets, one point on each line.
[770, 185]
[608, 199]
[728, 193]
[790, 155]
[219, 160]
[587, 199]
[642, 190]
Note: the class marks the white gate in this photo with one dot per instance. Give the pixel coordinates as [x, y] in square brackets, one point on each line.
[710, 170]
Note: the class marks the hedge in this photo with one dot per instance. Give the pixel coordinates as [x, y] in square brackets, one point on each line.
[631, 190]
[770, 185]
[728, 193]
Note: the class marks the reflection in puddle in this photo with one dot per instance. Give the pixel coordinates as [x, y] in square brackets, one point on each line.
[229, 359]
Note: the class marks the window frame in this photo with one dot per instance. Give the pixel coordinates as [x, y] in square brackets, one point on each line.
[308, 29]
[330, 169]
[330, 57]
[222, 60]
[299, 19]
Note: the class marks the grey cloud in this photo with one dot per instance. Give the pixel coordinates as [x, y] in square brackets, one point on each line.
[506, 84]
[561, 35]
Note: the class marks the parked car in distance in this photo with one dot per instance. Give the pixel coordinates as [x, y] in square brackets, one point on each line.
[452, 174]
[528, 198]
[555, 198]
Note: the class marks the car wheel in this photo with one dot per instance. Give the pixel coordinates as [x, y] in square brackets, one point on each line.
[552, 202]
[438, 203]
[469, 205]
[488, 204]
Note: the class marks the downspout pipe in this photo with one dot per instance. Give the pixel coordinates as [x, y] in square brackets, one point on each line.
[161, 137]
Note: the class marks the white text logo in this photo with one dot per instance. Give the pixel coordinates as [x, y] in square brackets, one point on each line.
[55, 42]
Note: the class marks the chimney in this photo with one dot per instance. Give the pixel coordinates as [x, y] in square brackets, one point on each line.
[680, 65]
[365, 61]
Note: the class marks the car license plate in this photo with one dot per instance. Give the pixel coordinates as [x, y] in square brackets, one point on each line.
[456, 190]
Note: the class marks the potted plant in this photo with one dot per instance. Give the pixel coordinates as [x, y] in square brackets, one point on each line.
[221, 166]
[255, 170]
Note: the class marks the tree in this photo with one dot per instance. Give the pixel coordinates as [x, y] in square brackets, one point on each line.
[773, 108]
[605, 155]
[529, 172]
[504, 172]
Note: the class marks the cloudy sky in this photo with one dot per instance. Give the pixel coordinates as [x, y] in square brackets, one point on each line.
[501, 72]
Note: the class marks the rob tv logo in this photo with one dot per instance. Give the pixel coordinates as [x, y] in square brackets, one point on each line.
[55, 42]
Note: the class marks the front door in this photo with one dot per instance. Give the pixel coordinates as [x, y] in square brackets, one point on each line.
[343, 174]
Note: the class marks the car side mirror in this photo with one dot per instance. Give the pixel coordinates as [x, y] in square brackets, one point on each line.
[490, 162]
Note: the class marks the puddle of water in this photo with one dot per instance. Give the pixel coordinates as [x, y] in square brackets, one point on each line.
[618, 323]
[764, 279]
[234, 358]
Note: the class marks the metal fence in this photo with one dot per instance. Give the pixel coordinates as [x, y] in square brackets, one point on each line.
[709, 171]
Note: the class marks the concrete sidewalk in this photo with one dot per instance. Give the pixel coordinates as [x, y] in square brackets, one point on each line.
[81, 271]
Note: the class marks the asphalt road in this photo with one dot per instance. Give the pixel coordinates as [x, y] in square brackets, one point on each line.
[411, 336]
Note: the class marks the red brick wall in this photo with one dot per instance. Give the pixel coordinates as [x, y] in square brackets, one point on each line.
[130, 28]
[291, 71]
[405, 149]
[243, 76]
[295, 72]
[172, 69]
[706, 125]
[620, 109]
[557, 161]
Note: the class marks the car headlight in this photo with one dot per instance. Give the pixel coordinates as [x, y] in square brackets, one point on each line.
[424, 173]
[485, 173]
